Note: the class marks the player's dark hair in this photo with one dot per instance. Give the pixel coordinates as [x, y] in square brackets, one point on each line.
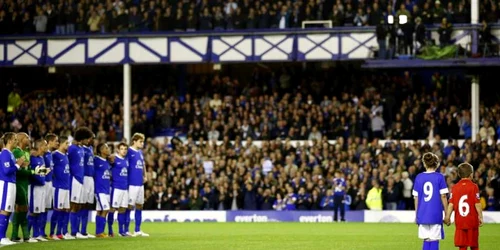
[83, 133]
[465, 170]
[430, 160]
[7, 137]
[50, 137]
[122, 144]
[1, 141]
[99, 148]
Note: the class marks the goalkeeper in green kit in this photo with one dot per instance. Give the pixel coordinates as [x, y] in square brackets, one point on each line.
[20, 217]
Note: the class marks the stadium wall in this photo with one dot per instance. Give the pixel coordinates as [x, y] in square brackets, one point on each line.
[367, 216]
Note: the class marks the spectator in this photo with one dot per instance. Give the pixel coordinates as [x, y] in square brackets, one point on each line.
[279, 203]
[445, 31]
[61, 21]
[315, 134]
[378, 125]
[40, 22]
[391, 195]
[486, 131]
[70, 18]
[420, 34]
[94, 22]
[381, 39]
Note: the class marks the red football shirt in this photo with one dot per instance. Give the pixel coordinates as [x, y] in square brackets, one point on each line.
[464, 196]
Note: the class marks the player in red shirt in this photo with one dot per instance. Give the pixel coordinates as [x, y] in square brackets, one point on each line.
[464, 200]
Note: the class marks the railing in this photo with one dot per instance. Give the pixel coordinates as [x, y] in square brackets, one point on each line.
[340, 43]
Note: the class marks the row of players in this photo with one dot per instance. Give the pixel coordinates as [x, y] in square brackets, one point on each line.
[68, 177]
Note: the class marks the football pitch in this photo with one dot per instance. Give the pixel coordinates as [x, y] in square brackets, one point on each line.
[268, 236]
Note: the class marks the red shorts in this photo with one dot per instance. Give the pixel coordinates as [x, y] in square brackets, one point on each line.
[467, 237]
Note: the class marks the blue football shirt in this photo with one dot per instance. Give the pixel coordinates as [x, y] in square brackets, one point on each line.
[428, 188]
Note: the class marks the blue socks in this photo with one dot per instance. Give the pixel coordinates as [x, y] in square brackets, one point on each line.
[127, 221]
[65, 223]
[4, 223]
[42, 222]
[111, 218]
[84, 215]
[75, 222]
[434, 245]
[61, 216]
[54, 219]
[121, 223]
[431, 245]
[425, 246]
[34, 221]
[100, 223]
[138, 220]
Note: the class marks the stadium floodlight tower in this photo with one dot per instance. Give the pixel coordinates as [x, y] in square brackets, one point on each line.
[127, 88]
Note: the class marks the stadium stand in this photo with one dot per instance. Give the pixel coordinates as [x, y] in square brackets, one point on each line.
[76, 17]
[257, 122]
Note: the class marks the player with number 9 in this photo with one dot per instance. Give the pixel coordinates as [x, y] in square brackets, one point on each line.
[430, 192]
[465, 201]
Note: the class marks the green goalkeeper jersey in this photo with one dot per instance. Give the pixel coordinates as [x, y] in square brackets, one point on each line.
[23, 174]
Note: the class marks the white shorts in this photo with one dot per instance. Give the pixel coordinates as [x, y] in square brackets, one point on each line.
[431, 232]
[119, 198]
[102, 202]
[7, 201]
[36, 199]
[61, 198]
[135, 195]
[88, 190]
[76, 192]
[49, 194]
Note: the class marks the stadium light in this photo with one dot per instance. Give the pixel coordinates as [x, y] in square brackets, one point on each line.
[402, 19]
[390, 19]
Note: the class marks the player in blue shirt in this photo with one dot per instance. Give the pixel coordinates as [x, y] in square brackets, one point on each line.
[136, 179]
[9, 167]
[36, 191]
[119, 190]
[52, 144]
[430, 192]
[76, 156]
[61, 180]
[102, 178]
[339, 186]
[88, 184]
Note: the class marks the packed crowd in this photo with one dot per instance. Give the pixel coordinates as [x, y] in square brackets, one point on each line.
[192, 171]
[74, 16]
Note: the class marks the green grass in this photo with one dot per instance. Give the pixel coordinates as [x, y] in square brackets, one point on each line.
[268, 236]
